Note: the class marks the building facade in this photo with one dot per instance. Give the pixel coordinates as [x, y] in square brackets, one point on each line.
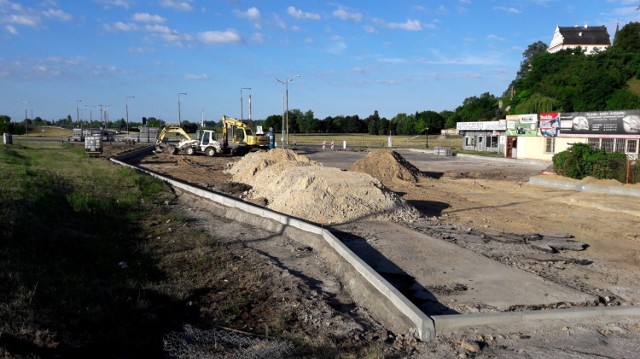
[590, 39]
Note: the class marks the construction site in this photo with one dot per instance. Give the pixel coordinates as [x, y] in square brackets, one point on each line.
[446, 256]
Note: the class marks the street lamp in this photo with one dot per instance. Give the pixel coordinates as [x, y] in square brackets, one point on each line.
[26, 121]
[427, 133]
[126, 110]
[179, 117]
[78, 112]
[286, 109]
[241, 105]
[90, 113]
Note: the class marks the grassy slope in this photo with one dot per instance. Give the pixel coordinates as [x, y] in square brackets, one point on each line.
[77, 273]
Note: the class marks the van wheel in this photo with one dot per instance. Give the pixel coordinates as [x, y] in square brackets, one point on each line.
[190, 151]
[210, 151]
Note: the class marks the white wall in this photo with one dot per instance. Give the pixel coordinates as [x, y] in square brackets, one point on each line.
[534, 148]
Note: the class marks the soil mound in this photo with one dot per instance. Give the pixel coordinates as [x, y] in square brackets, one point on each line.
[298, 186]
[387, 165]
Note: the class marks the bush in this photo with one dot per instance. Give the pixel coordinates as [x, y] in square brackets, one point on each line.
[582, 160]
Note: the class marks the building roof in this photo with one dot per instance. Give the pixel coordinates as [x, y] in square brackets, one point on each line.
[584, 35]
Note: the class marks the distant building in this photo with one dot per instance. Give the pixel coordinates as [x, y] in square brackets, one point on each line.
[589, 38]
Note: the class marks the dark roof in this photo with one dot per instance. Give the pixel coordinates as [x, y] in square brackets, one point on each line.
[585, 35]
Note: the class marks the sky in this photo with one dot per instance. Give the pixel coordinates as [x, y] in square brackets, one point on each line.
[196, 59]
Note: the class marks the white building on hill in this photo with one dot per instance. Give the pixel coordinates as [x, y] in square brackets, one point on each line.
[590, 38]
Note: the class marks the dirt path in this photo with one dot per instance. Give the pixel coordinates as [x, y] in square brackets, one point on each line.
[488, 208]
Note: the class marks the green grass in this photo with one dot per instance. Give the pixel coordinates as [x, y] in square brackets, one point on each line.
[69, 225]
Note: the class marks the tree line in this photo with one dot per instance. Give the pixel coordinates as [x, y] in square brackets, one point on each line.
[565, 81]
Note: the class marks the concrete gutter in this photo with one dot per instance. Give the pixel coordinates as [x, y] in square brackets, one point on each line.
[380, 296]
[585, 187]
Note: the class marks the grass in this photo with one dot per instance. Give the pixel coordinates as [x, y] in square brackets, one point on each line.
[49, 131]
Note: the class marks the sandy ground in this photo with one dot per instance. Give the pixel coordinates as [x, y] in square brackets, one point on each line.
[488, 207]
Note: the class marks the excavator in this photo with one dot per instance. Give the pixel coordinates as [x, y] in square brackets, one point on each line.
[205, 142]
[238, 138]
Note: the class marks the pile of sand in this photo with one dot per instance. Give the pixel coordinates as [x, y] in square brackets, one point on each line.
[295, 185]
[387, 165]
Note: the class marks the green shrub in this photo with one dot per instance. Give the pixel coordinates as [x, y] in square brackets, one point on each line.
[582, 160]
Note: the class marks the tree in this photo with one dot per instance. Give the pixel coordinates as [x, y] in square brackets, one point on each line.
[307, 123]
[532, 51]
[5, 121]
[274, 121]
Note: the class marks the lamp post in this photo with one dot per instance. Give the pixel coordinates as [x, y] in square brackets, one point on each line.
[286, 108]
[90, 113]
[78, 112]
[241, 104]
[126, 110]
[179, 116]
[26, 121]
[427, 133]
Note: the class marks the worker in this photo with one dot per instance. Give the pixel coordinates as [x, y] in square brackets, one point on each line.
[272, 138]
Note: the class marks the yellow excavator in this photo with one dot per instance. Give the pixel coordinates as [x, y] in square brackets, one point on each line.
[205, 142]
[238, 138]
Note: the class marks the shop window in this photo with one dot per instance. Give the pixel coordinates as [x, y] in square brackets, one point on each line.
[607, 144]
[492, 141]
[632, 146]
[620, 145]
[550, 146]
[594, 142]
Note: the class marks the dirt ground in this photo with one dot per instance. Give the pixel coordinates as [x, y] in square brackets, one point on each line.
[585, 241]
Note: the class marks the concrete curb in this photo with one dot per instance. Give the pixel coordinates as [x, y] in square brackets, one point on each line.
[448, 323]
[425, 327]
[423, 324]
[585, 187]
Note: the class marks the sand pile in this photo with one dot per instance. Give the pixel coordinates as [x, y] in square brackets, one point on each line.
[387, 165]
[297, 186]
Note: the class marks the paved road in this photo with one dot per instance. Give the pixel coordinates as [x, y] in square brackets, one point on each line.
[426, 161]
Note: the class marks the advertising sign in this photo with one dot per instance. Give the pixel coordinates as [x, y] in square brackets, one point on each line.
[601, 123]
[481, 126]
[522, 125]
[549, 124]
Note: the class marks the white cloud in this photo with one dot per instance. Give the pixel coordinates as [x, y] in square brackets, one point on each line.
[345, 15]
[58, 14]
[178, 5]
[252, 14]
[496, 38]
[148, 18]
[219, 37]
[409, 25]
[11, 29]
[196, 77]
[257, 37]
[299, 14]
[338, 45]
[26, 20]
[510, 10]
[122, 26]
[115, 3]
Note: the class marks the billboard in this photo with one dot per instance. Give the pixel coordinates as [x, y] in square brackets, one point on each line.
[522, 125]
[549, 124]
[600, 123]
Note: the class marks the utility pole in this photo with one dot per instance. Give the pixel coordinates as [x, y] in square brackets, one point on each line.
[26, 120]
[126, 109]
[241, 104]
[78, 112]
[285, 117]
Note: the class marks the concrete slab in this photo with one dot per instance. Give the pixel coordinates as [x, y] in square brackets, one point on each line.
[458, 279]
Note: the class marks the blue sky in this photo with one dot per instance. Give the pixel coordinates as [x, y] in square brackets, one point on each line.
[353, 57]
